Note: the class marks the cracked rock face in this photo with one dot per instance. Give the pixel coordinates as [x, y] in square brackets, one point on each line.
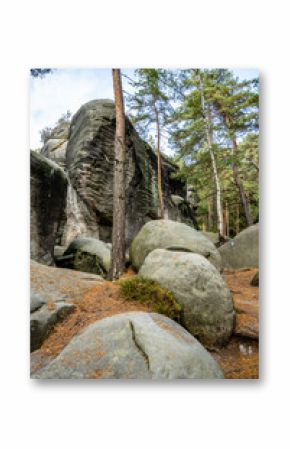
[167, 234]
[133, 345]
[199, 288]
[85, 150]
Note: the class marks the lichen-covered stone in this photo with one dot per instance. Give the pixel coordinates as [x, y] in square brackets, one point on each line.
[134, 345]
[199, 288]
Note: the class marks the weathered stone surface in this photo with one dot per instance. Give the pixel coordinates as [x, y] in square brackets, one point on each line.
[55, 146]
[48, 184]
[90, 156]
[55, 149]
[197, 286]
[52, 291]
[134, 345]
[243, 250]
[59, 284]
[89, 254]
[168, 234]
[44, 319]
[36, 302]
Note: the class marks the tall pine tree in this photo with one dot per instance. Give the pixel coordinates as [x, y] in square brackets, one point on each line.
[149, 106]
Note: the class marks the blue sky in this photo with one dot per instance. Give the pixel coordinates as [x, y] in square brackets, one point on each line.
[68, 89]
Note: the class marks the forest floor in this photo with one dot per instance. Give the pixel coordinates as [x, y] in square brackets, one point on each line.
[238, 360]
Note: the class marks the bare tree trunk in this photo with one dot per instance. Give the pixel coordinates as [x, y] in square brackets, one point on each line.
[237, 219]
[118, 234]
[209, 215]
[237, 179]
[227, 223]
[207, 124]
[159, 176]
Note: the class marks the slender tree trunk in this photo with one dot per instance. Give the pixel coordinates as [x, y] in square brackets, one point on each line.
[237, 219]
[208, 129]
[209, 215]
[237, 179]
[227, 223]
[159, 176]
[118, 233]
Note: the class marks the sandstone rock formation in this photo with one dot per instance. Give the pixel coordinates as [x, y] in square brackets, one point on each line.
[174, 236]
[243, 250]
[134, 345]
[199, 288]
[89, 158]
[48, 186]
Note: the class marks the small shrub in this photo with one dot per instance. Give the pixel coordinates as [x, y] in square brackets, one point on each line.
[150, 293]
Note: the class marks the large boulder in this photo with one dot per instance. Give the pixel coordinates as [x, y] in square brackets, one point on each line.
[199, 288]
[90, 162]
[243, 250]
[87, 254]
[171, 235]
[133, 345]
[48, 186]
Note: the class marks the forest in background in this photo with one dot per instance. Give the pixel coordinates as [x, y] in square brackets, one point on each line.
[207, 119]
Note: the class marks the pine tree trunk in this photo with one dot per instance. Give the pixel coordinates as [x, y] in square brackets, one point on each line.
[159, 176]
[227, 223]
[118, 233]
[237, 179]
[237, 219]
[208, 130]
[209, 215]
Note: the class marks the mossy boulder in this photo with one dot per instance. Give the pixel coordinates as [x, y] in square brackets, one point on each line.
[87, 254]
[171, 235]
[199, 288]
[243, 250]
[134, 345]
[150, 293]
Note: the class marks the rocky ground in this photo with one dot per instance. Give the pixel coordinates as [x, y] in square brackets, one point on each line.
[95, 300]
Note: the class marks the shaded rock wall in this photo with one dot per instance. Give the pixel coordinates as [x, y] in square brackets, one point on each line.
[48, 186]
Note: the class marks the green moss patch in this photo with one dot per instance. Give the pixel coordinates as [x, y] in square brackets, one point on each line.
[150, 293]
